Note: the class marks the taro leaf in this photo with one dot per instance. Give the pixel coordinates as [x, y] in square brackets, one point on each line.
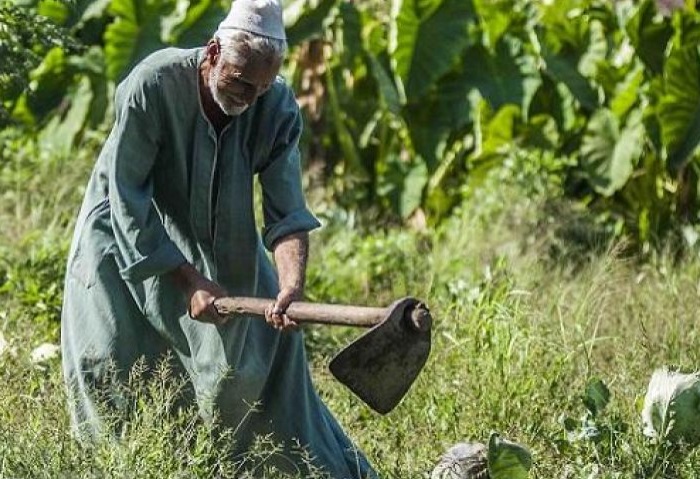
[552, 100]
[562, 67]
[500, 130]
[497, 76]
[596, 397]
[608, 155]
[413, 185]
[92, 65]
[305, 19]
[387, 88]
[564, 23]
[440, 114]
[73, 13]
[507, 459]
[679, 109]
[50, 80]
[496, 17]
[55, 10]
[61, 132]
[346, 140]
[597, 50]
[447, 110]
[687, 28]
[649, 35]
[95, 9]
[627, 92]
[348, 33]
[494, 134]
[192, 23]
[426, 39]
[135, 32]
[428, 130]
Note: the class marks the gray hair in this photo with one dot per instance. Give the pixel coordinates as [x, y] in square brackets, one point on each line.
[235, 43]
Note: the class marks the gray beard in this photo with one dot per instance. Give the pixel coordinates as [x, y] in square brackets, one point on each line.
[220, 100]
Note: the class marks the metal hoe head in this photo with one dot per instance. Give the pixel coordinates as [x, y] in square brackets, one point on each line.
[380, 366]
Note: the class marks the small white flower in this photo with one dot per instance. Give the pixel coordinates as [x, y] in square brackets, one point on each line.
[44, 352]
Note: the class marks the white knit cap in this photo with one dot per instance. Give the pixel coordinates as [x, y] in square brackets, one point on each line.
[262, 17]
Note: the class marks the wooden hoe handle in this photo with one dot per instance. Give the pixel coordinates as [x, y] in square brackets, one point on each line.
[302, 312]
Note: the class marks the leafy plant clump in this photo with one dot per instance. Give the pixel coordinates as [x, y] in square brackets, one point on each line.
[671, 407]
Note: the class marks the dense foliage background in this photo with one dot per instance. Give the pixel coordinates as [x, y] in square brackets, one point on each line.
[529, 167]
[409, 102]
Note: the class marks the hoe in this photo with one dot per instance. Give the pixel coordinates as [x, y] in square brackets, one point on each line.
[379, 366]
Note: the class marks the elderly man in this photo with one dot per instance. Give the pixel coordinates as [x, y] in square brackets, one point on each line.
[167, 225]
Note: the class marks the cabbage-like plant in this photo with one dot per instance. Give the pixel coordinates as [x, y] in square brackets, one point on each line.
[502, 459]
[671, 410]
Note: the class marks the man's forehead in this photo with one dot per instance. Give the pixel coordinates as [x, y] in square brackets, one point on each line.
[255, 71]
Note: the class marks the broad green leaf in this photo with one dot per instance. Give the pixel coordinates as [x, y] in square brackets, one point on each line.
[507, 459]
[427, 134]
[554, 100]
[496, 17]
[192, 23]
[412, 192]
[540, 132]
[627, 92]
[346, 141]
[426, 39]
[563, 68]
[348, 32]
[496, 75]
[55, 10]
[597, 50]
[679, 109]
[306, 19]
[499, 131]
[92, 66]
[564, 24]
[49, 82]
[95, 9]
[135, 33]
[501, 77]
[596, 396]
[387, 88]
[649, 35]
[61, 132]
[441, 115]
[608, 155]
[178, 16]
[686, 30]
[73, 13]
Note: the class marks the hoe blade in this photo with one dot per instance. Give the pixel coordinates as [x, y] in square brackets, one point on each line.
[380, 366]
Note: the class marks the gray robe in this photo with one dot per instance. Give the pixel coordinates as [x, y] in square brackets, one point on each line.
[154, 202]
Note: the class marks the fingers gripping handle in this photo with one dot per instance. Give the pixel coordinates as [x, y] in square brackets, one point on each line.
[302, 312]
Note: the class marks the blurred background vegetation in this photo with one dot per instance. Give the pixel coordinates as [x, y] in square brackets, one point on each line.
[408, 104]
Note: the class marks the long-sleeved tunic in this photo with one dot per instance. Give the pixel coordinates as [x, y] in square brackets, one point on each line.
[167, 189]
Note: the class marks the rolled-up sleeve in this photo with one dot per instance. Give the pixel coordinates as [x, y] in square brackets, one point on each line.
[284, 207]
[144, 246]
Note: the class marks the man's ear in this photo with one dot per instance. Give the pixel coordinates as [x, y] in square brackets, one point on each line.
[213, 51]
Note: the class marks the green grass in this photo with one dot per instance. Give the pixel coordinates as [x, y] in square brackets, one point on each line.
[519, 334]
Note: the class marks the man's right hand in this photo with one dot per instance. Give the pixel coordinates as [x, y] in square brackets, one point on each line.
[200, 293]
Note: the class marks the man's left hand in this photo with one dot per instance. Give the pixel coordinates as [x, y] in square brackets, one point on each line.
[275, 314]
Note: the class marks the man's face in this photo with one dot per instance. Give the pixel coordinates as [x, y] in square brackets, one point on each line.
[236, 84]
